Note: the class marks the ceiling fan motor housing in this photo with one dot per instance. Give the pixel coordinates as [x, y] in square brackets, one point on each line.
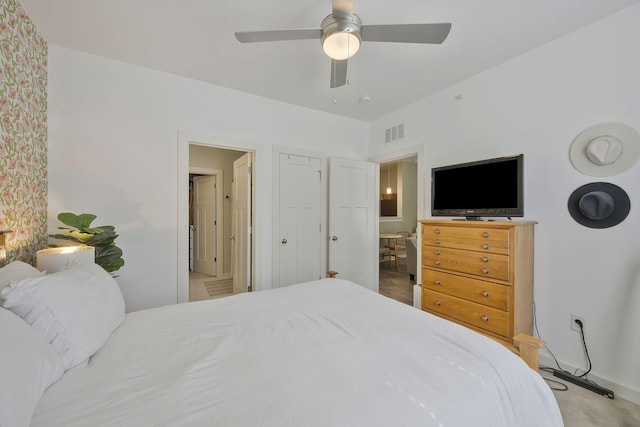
[337, 24]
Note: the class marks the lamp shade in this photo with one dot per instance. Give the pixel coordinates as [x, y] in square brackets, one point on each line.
[53, 260]
[3, 250]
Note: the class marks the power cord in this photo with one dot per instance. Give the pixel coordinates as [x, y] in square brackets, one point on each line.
[553, 384]
[581, 379]
[586, 352]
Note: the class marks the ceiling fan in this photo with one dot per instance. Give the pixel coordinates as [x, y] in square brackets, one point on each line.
[342, 32]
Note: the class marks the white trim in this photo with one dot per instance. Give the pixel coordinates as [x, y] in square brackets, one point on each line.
[184, 139]
[391, 219]
[203, 171]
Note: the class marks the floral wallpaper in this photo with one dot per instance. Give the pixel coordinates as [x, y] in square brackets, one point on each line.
[23, 133]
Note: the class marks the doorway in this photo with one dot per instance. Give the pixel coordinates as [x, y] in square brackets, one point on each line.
[206, 226]
[215, 249]
[401, 195]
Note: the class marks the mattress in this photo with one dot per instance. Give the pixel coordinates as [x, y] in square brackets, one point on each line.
[323, 353]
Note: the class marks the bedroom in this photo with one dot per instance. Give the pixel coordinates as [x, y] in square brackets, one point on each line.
[129, 117]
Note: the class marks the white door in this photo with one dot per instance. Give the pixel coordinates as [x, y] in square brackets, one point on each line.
[298, 232]
[204, 201]
[353, 215]
[241, 223]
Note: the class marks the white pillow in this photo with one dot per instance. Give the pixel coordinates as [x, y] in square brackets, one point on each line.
[75, 309]
[17, 270]
[29, 365]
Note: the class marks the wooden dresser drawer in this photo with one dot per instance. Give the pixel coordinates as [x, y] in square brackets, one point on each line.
[471, 238]
[494, 266]
[482, 292]
[480, 316]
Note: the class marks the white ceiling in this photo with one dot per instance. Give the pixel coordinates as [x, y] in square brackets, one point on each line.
[194, 38]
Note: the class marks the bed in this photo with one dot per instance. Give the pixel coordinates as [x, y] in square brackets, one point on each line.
[322, 353]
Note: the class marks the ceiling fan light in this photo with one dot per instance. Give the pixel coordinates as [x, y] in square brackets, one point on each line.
[341, 45]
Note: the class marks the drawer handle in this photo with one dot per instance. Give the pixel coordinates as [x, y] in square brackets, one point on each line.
[485, 318]
[437, 252]
[437, 302]
[485, 293]
[485, 270]
[438, 262]
[437, 241]
[485, 259]
[485, 246]
[437, 281]
[437, 231]
[485, 234]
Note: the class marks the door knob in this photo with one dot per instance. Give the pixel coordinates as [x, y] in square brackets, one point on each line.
[284, 241]
[232, 237]
[334, 238]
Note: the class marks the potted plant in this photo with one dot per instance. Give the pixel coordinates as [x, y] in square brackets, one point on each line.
[78, 230]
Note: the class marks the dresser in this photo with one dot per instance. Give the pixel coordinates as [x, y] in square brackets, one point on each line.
[480, 274]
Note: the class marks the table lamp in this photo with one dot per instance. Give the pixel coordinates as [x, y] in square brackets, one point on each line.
[53, 260]
[3, 250]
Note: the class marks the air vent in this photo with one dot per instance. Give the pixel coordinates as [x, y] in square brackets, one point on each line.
[394, 133]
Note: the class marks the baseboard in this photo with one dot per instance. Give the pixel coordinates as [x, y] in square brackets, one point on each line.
[620, 390]
[417, 296]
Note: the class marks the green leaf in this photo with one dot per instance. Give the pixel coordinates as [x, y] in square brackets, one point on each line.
[113, 266]
[81, 222]
[104, 239]
[70, 237]
[107, 253]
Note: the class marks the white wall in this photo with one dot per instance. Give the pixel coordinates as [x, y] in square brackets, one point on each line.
[536, 104]
[113, 143]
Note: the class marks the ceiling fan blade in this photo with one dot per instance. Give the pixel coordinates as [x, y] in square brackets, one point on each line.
[345, 6]
[406, 33]
[278, 35]
[338, 73]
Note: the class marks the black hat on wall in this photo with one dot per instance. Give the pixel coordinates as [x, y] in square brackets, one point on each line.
[599, 205]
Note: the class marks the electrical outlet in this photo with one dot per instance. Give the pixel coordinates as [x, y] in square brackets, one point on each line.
[574, 325]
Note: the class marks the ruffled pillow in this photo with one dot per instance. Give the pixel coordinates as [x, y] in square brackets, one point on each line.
[16, 271]
[75, 309]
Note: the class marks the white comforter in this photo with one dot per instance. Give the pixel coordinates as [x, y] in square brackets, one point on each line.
[326, 353]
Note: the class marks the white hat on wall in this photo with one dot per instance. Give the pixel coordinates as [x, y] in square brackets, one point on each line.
[605, 149]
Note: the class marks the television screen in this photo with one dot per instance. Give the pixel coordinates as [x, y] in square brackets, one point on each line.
[491, 187]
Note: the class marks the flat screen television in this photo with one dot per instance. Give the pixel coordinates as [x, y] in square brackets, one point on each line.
[489, 188]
